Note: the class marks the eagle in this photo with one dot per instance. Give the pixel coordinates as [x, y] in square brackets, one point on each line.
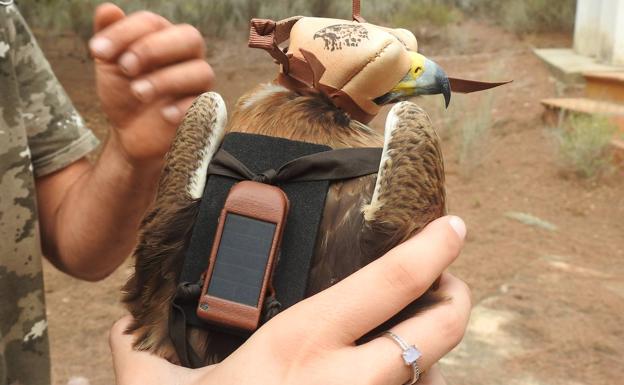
[335, 76]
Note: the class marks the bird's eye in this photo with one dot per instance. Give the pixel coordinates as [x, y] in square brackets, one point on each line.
[418, 70]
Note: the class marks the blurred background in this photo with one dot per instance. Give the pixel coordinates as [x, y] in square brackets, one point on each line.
[535, 169]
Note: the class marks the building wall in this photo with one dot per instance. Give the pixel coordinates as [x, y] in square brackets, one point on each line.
[599, 30]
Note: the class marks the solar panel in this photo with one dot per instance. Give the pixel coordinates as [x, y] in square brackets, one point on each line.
[241, 259]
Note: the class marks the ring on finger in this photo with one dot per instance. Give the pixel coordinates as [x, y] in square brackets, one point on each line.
[410, 355]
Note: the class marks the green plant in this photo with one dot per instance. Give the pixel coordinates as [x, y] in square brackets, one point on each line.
[222, 17]
[435, 13]
[528, 16]
[584, 144]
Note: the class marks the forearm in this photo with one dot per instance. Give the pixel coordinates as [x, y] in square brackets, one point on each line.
[93, 226]
[90, 214]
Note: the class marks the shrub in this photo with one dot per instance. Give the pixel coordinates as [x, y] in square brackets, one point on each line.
[475, 132]
[584, 144]
[222, 17]
[428, 12]
[528, 16]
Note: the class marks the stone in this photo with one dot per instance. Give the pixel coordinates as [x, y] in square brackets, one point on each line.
[411, 355]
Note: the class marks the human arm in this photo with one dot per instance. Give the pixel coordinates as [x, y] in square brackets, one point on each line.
[313, 342]
[148, 72]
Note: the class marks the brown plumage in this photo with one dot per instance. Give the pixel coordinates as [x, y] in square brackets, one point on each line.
[362, 219]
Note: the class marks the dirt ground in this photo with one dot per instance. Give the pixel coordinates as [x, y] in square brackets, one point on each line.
[548, 295]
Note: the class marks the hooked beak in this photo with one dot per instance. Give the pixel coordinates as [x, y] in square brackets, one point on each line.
[424, 78]
[433, 81]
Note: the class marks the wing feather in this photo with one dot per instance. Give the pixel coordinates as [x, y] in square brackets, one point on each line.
[166, 229]
[365, 217]
[409, 191]
[362, 218]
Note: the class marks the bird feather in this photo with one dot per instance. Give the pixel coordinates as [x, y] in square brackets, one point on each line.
[363, 217]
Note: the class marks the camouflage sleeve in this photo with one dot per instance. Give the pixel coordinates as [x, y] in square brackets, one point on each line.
[57, 135]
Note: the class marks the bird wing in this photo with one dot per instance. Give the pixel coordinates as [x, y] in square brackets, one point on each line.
[365, 217]
[166, 229]
[409, 192]
[197, 139]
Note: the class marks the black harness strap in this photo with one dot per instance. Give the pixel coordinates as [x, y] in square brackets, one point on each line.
[314, 166]
[186, 295]
[331, 165]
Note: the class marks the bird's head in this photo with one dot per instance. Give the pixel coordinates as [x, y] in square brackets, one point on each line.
[358, 66]
[424, 77]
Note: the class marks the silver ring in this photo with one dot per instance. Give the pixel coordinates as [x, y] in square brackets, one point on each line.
[410, 355]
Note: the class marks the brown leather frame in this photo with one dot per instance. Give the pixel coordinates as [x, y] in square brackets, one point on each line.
[258, 201]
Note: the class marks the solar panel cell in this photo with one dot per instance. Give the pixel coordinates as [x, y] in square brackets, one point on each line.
[241, 259]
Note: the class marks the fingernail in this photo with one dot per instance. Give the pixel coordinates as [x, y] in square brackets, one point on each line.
[101, 47]
[129, 63]
[172, 114]
[143, 89]
[458, 226]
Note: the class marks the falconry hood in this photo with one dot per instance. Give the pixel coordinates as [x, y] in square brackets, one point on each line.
[359, 66]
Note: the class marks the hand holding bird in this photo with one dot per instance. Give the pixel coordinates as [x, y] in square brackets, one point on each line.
[335, 76]
[313, 341]
[363, 217]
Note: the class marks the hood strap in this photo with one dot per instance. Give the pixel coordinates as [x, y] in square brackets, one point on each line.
[267, 34]
[357, 16]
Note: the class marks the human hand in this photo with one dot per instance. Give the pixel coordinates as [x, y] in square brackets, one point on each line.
[148, 73]
[313, 342]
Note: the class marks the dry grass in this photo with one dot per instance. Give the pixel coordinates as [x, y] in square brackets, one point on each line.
[223, 17]
[528, 16]
[471, 124]
[468, 123]
[213, 17]
[219, 18]
[584, 144]
[474, 131]
[430, 13]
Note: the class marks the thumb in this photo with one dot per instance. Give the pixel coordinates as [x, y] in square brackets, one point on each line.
[136, 367]
[120, 341]
[105, 15]
[131, 366]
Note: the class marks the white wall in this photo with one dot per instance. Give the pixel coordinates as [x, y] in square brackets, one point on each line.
[599, 30]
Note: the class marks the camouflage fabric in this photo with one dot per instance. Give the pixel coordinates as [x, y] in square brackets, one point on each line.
[40, 132]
